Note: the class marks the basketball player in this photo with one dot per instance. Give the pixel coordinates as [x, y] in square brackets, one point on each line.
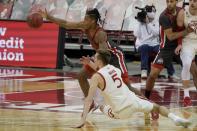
[119, 102]
[98, 39]
[188, 47]
[168, 42]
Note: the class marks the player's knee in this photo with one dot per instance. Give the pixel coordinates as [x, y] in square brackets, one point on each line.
[153, 74]
[155, 108]
[186, 65]
[155, 70]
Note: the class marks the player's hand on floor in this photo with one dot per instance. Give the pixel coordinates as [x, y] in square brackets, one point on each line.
[80, 125]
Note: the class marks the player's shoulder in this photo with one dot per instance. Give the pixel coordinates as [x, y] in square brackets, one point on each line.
[163, 15]
[97, 75]
[181, 11]
[101, 32]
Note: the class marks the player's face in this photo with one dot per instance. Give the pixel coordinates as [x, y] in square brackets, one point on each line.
[193, 4]
[171, 4]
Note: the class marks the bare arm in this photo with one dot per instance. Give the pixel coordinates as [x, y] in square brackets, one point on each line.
[101, 38]
[180, 19]
[64, 23]
[180, 22]
[94, 81]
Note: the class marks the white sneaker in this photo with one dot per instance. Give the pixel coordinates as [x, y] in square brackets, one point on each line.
[144, 74]
[174, 77]
[183, 122]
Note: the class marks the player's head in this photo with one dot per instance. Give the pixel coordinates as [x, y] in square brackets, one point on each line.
[102, 56]
[193, 4]
[171, 4]
[93, 15]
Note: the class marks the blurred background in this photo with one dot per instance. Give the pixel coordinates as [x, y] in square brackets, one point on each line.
[116, 15]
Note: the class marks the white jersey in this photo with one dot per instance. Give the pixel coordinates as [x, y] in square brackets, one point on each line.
[188, 20]
[116, 93]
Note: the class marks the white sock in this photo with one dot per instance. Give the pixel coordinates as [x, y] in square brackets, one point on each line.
[173, 117]
[178, 120]
[186, 92]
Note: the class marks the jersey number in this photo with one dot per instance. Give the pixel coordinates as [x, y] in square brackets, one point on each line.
[116, 79]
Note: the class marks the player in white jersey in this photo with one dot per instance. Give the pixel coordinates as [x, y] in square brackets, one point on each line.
[120, 103]
[188, 47]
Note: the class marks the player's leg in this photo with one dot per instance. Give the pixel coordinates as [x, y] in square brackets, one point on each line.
[156, 68]
[150, 82]
[193, 71]
[186, 57]
[147, 106]
[118, 60]
[83, 76]
[165, 112]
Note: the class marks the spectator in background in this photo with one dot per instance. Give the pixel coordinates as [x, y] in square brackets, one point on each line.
[169, 41]
[5, 8]
[147, 42]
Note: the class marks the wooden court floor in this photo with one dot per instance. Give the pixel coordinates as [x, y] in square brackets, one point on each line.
[33, 100]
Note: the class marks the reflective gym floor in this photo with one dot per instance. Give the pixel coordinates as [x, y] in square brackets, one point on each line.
[49, 100]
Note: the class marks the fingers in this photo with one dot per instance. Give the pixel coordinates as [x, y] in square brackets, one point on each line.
[43, 13]
[79, 126]
[176, 52]
[85, 60]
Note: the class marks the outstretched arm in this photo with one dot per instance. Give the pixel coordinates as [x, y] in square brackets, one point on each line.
[64, 23]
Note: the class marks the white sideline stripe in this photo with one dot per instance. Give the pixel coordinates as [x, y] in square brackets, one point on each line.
[43, 78]
[12, 75]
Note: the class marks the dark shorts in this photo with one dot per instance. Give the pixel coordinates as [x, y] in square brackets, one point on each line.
[164, 58]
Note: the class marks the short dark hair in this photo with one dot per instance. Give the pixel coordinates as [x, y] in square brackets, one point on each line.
[104, 56]
[94, 13]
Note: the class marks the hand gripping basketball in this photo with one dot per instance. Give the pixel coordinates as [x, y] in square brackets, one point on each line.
[35, 20]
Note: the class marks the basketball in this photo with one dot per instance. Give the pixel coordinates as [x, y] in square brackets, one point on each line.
[35, 20]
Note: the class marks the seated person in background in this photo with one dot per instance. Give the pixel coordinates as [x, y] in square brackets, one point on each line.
[147, 42]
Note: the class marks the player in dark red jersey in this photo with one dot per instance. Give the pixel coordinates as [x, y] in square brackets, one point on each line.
[98, 39]
[169, 34]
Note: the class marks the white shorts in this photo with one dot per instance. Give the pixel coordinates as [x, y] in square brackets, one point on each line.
[189, 49]
[138, 105]
[188, 52]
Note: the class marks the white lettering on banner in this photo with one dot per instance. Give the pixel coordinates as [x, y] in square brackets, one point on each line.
[11, 43]
[11, 56]
[2, 31]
